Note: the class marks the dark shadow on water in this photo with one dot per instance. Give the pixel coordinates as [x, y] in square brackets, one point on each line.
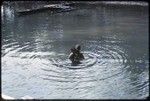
[75, 63]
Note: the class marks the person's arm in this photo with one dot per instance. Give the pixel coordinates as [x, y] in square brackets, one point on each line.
[71, 57]
[82, 57]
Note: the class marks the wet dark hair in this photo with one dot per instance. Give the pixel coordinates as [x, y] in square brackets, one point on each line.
[78, 47]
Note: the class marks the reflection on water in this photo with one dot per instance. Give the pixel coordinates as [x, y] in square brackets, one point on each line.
[114, 41]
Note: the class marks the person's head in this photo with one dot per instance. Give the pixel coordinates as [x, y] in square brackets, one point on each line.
[78, 47]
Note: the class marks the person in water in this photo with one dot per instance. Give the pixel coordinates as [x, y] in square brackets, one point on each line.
[76, 56]
[78, 49]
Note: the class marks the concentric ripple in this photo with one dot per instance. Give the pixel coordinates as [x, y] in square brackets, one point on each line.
[95, 66]
[64, 62]
[35, 50]
[103, 66]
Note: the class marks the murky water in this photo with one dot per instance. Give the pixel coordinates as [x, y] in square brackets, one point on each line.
[114, 41]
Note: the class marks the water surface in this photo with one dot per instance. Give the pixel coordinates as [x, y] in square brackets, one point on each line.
[114, 41]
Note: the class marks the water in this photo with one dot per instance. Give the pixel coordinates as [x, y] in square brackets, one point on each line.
[114, 40]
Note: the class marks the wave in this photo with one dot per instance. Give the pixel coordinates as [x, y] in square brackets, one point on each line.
[139, 3]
